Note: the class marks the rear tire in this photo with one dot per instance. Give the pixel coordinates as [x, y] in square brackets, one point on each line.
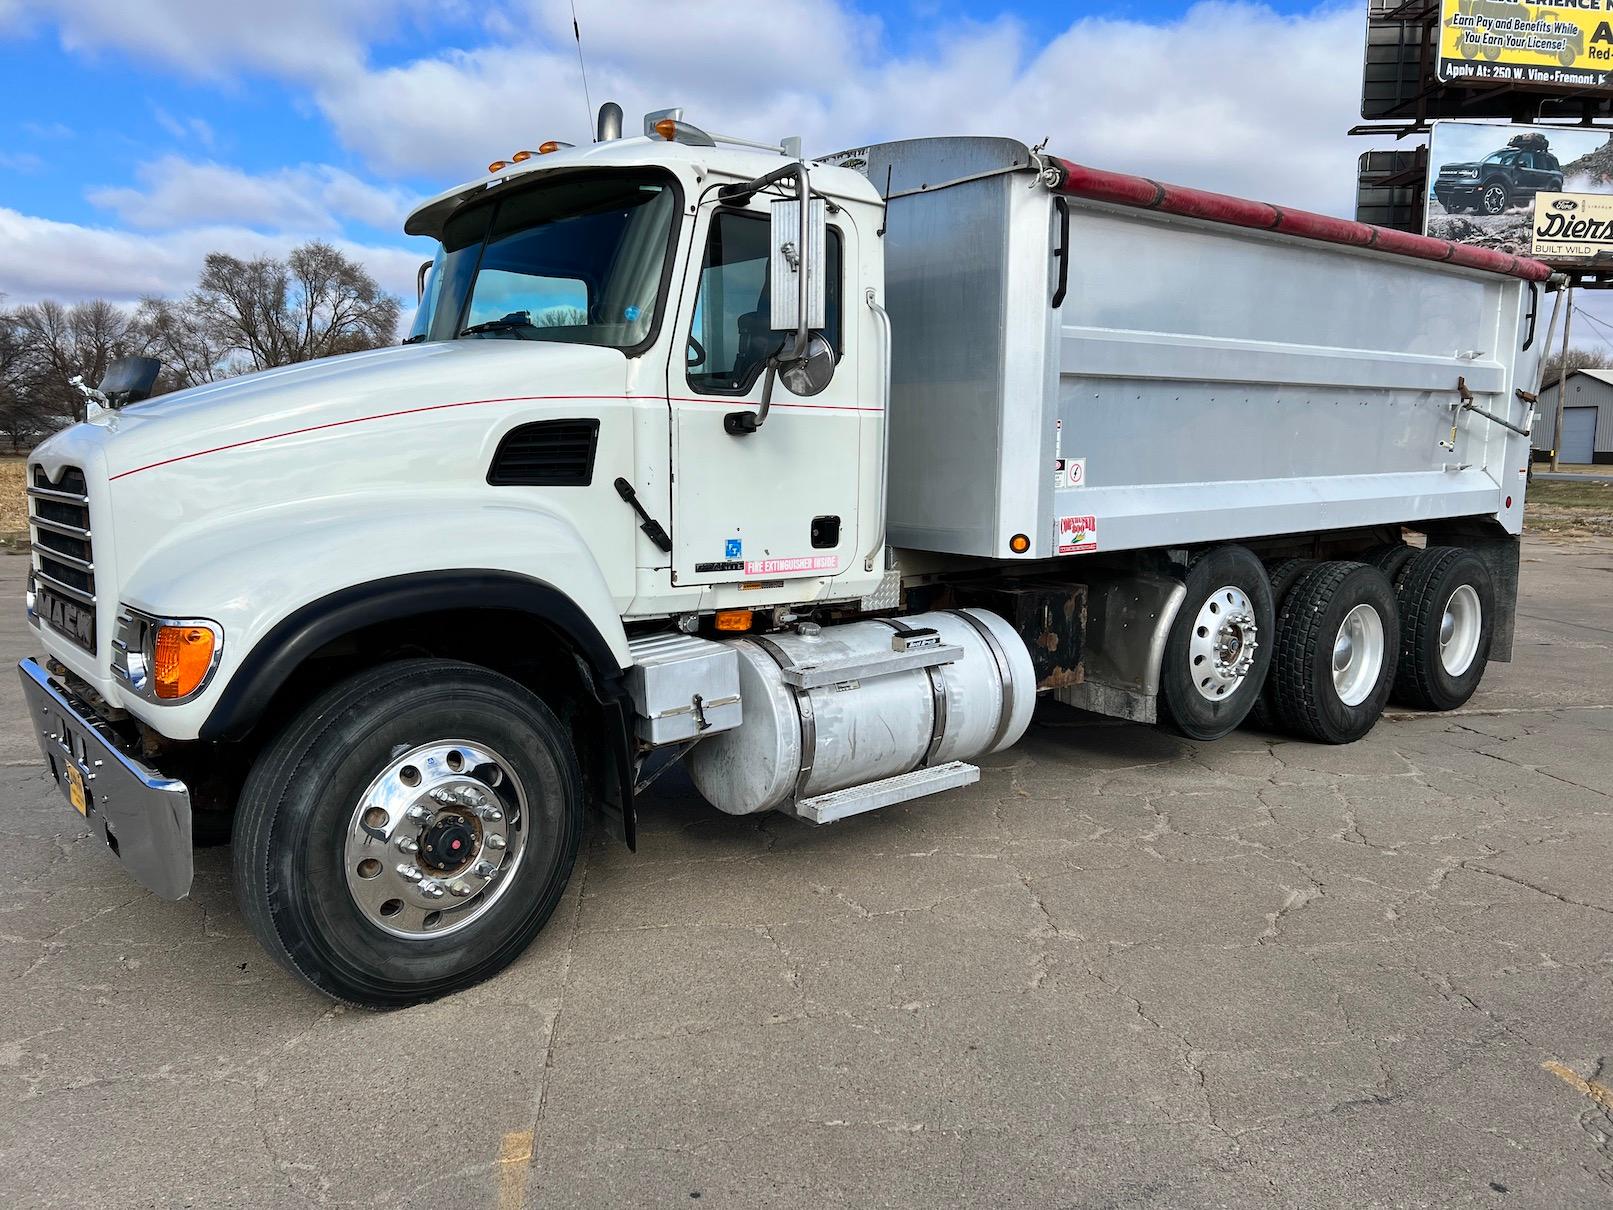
[1338, 636]
[1391, 560]
[1283, 575]
[1219, 646]
[1446, 601]
[331, 784]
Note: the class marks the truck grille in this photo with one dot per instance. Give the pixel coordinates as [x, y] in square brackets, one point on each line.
[64, 559]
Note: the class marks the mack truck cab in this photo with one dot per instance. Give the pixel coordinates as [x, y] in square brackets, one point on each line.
[661, 472]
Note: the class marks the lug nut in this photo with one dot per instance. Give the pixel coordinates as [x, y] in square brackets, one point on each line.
[410, 873]
[495, 841]
[418, 813]
[485, 869]
[489, 814]
[460, 889]
[432, 889]
[407, 844]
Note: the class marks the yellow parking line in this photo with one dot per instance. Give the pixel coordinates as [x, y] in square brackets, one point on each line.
[1600, 1093]
[514, 1162]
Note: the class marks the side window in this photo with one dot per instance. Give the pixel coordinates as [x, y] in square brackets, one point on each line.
[729, 338]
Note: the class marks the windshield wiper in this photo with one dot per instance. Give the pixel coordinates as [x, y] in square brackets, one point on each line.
[509, 323]
[414, 340]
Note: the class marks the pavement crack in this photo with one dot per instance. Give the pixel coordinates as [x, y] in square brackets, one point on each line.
[1539, 890]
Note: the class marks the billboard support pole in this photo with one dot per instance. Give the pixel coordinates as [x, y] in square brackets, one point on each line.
[1562, 378]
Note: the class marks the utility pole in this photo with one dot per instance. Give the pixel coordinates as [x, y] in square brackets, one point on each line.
[1562, 377]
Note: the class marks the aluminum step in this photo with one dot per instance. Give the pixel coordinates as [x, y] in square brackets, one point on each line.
[870, 796]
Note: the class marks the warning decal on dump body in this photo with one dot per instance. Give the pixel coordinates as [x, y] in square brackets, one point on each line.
[781, 567]
[1076, 534]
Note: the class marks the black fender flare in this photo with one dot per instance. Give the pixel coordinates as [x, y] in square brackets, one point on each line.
[273, 659]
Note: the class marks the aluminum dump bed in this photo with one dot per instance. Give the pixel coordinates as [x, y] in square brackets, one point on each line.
[1105, 363]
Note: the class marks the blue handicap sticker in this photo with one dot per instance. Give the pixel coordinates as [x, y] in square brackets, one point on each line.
[733, 548]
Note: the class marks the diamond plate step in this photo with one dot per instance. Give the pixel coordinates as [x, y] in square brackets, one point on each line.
[870, 796]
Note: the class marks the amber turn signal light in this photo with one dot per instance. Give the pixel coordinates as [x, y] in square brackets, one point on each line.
[1019, 544]
[667, 128]
[733, 620]
[498, 165]
[182, 658]
[521, 157]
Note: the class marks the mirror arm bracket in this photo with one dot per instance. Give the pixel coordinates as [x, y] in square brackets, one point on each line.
[742, 424]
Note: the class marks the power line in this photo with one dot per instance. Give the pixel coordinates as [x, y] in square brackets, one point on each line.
[588, 102]
[1602, 325]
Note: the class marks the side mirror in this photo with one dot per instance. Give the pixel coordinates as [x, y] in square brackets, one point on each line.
[810, 374]
[129, 380]
[798, 268]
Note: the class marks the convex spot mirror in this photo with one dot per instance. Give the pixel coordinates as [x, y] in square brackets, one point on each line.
[810, 374]
[130, 379]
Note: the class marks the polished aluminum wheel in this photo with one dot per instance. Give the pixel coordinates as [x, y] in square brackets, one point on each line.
[1225, 639]
[1460, 629]
[1358, 655]
[436, 838]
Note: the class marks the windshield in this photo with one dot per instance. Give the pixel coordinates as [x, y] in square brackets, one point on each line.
[1500, 157]
[577, 259]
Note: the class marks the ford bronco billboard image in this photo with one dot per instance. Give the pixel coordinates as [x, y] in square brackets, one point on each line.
[1484, 177]
[1526, 44]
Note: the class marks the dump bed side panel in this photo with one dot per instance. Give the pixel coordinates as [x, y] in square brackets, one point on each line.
[1200, 381]
[1222, 383]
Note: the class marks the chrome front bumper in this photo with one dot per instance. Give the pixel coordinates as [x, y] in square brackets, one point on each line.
[143, 816]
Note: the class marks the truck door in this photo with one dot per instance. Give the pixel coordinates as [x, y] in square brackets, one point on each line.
[779, 503]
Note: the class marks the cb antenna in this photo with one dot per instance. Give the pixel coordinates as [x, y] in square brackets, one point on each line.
[587, 101]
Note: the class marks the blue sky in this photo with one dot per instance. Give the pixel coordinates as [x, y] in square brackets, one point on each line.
[139, 134]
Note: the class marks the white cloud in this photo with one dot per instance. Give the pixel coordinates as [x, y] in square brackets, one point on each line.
[43, 258]
[185, 131]
[1228, 96]
[215, 38]
[176, 192]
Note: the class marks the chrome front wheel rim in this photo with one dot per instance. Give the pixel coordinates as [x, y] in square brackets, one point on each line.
[1357, 655]
[1223, 644]
[435, 839]
[1459, 630]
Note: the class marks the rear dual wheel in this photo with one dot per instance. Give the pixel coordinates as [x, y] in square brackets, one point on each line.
[1446, 601]
[1219, 646]
[1338, 640]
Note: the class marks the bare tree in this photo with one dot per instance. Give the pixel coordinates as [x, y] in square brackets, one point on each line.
[1557, 366]
[64, 342]
[269, 312]
[23, 418]
[190, 352]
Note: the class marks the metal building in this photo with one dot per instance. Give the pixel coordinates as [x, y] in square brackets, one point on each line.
[1587, 418]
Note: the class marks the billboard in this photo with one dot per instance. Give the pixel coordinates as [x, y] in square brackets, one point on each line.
[1398, 81]
[1526, 44]
[1574, 229]
[1485, 179]
[1389, 188]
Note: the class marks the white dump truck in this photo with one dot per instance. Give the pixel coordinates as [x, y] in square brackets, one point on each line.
[812, 474]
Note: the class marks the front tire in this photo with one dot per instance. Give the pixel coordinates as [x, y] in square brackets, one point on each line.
[1446, 601]
[1494, 200]
[1337, 640]
[1219, 646]
[409, 833]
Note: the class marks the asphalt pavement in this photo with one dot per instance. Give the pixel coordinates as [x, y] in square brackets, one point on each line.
[1123, 970]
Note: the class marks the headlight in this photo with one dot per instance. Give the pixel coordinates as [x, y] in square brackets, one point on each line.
[165, 659]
